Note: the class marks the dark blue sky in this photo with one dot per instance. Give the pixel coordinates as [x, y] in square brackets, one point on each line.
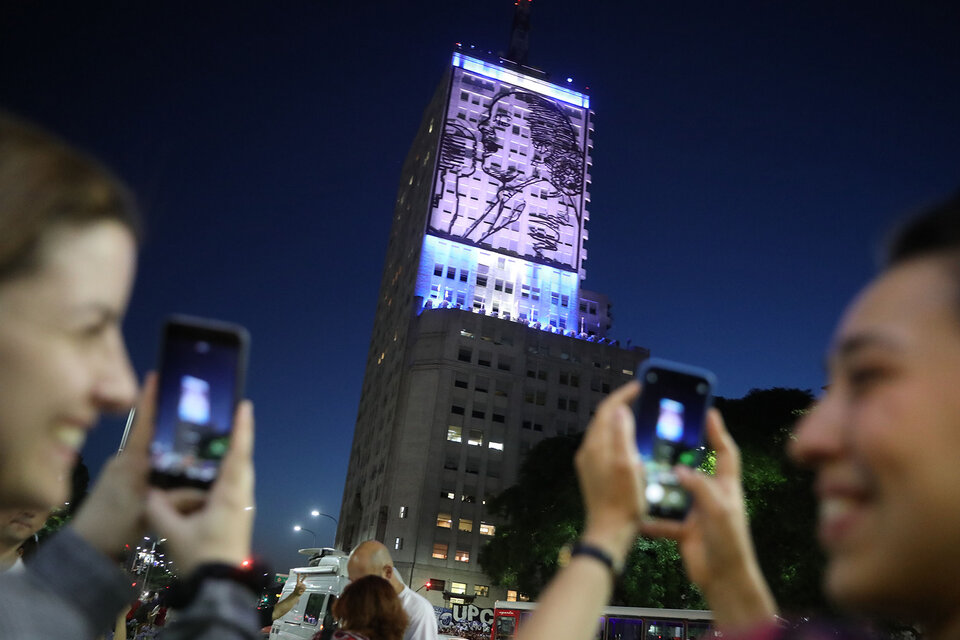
[747, 159]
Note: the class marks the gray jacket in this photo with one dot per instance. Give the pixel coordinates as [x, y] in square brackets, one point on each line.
[70, 591]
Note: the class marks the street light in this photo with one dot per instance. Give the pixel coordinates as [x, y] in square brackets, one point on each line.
[316, 513]
[297, 527]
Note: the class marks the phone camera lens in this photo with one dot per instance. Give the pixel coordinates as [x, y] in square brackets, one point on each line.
[701, 388]
[651, 377]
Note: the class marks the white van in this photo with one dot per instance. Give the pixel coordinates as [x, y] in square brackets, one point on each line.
[325, 580]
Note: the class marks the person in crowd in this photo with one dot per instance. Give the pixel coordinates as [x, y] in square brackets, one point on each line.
[284, 606]
[68, 242]
[878, 441]
[371, 558]
[369, 609]
[17, 526]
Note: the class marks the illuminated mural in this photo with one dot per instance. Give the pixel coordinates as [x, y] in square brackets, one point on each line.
[510, 172]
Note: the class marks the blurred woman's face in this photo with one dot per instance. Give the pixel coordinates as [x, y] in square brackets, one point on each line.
[62, 357]
[883, 443]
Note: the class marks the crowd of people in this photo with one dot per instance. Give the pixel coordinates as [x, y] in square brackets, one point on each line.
[879, 441]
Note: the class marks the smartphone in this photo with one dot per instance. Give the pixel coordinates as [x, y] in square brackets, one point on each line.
[202, 367]
[670, 416]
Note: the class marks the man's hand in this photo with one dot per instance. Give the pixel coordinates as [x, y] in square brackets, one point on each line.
[300, 587]
[715, 538]
[611, 475]
[215, 526]
[113, 514]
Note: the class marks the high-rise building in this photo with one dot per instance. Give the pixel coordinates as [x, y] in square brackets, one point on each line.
[484, 341]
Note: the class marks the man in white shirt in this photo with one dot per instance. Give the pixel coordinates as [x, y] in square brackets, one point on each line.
[16, 527]
[372, 558]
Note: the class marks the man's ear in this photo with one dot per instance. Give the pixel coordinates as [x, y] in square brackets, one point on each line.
[387, 572]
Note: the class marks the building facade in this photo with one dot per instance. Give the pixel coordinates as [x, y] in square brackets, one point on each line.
[483, 340]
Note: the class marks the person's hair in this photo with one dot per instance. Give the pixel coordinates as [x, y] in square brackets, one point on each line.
[370, 607]
[554, 140]
[934, 232]
[45, 183]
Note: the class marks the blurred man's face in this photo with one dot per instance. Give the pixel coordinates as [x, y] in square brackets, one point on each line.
[883, 442]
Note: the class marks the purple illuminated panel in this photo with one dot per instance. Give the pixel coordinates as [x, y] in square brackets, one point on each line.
[511, 171]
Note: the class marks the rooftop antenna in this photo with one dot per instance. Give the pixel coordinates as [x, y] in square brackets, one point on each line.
[520, 32]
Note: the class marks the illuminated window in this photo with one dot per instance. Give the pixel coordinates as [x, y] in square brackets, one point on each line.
[523, 597]
[476, 438]
[481, 590]
[440, 553]
[403, 512]
[628, 372]
[462, 556]
[398, 544]
[465, 525]
[444, 521]
[468, 498]
[448, 495]
[496, 445]
[487, 529]
[458, 588]
[454, 433]
[511, 594]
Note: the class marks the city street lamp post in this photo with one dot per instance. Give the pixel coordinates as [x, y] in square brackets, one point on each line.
[316, 513]
[297, 527]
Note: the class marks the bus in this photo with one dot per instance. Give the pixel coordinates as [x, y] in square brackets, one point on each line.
[615, 623]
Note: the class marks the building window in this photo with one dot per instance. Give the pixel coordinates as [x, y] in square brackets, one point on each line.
[499, 417]
[447, 495]
[463, 275]
[467, 498]
[462, 556]
[504, 363]
[452, 461]
[481, 384]
[511, 593]
[476, 438]
[458, 588]
[444, 521]
[481, 280]
[478, 414]
[457, 410]
[508, 287]
[454, 433]
[465, 354]
[451, 272]
[398, 544]
[481, 590]
[403, 512]
[440, 553]
[484, 358]
[438, 269]
[496, 445]
[487, 529]
[465, 525]
[460, 382]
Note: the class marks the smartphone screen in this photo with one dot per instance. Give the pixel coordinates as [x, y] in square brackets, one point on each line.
[670, 416]
[201, 376]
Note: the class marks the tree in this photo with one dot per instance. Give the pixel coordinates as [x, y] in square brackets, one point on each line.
[544, 511]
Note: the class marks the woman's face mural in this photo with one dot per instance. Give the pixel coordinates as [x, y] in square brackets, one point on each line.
[528, 145]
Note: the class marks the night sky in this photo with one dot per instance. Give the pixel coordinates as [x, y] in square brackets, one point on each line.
[748, 158]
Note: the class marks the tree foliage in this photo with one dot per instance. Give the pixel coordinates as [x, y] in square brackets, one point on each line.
[544, 511]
